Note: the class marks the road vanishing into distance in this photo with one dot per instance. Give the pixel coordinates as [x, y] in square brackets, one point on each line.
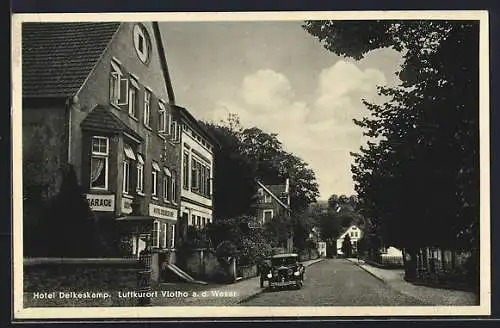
[335, 282]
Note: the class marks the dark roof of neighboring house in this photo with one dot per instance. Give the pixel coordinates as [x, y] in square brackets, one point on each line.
[58, 57]
[102, 119]
[276, 189]
[276, 196]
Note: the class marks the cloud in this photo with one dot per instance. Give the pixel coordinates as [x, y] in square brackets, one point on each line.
[319, 131]
[341, 89]
[266, 90]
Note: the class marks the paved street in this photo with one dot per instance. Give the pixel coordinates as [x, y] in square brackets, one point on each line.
[336, 282]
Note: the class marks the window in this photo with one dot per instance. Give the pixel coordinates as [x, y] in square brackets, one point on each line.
[193, 220]
[132, 98]
[194, 174]
[171, 126]
[118, 86]
[99, 163]
[165, 189]
[140, 174]
[129, 155]
[174, 188]
[154, 179]
[142, 43]
[161, 117]
[167, 182]
[147, 108]
[209, 182]
[164, 230]
[267, 198]
[198, 221]
[175, 131]
[185, 170]
[126, 176]
[204, 221]
[200, 176]
[172, 238]
[267, 215]
[155, 235]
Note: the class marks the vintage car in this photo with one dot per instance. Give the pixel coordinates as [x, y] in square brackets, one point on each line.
[285, 271]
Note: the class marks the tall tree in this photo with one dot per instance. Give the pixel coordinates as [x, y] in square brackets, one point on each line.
[235, 189]
[68, 227]
[272, 163]
[418, 177]
[249, 154]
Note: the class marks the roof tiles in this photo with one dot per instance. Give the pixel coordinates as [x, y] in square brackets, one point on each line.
[101, 119]
[58, 57]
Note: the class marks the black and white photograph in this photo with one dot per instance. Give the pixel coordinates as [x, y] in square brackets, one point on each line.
[251, 164]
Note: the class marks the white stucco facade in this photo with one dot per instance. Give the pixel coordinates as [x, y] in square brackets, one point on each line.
[196, 177]
[354, 233]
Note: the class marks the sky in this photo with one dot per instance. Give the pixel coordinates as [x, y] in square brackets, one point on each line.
[276, 76]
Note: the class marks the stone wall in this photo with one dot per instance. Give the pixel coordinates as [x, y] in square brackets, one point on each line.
[203, 264]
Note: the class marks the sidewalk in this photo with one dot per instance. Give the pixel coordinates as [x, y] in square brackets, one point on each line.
[430, 295]
[213, 294]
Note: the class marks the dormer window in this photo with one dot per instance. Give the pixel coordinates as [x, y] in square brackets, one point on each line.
[142, 43]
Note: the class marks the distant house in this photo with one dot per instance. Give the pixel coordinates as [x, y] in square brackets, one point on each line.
[355, 234]
[274, 200]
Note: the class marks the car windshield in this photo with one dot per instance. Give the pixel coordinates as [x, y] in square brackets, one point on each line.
[280, 261]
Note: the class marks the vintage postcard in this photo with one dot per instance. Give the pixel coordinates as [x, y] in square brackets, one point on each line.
[277, 164]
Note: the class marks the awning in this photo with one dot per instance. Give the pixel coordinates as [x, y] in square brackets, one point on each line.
[129, 152]
[134, 83]
[135, 218]
[156, 167]
[140, 159]
[167, 172]
[116, 67]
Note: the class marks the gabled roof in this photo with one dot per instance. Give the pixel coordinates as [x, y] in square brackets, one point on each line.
[277, 189]
[58, 57]
[272, 194]
[102, 119]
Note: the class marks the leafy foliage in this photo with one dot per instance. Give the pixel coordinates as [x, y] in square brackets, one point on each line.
[248, 155]
[67, 227]
[278, 230]
[235, 189]
[235, 238]
[418, 177]
[272, 163]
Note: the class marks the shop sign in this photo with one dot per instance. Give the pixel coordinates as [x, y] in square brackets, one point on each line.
[102, 203]
[162, 212]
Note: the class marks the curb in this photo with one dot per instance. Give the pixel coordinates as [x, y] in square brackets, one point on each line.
[366, 270]
[262, 290]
